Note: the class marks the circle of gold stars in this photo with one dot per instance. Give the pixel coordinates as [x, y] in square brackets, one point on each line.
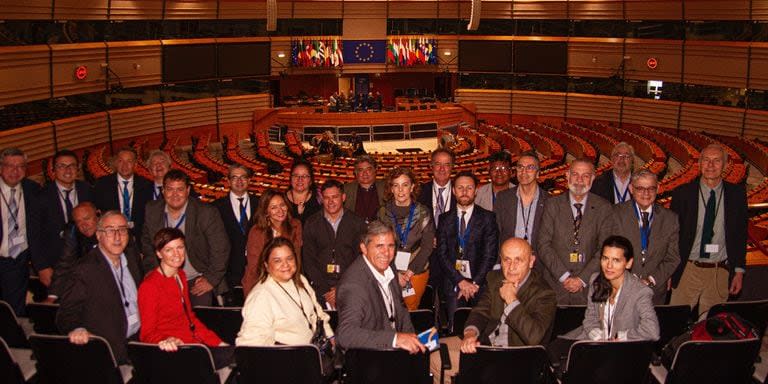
[370, 52]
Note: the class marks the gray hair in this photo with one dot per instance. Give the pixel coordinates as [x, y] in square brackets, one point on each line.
[623, 144]
[583, 160]
[12, 151]
[233, 167]
[719, 148]
[644, 173]
[106, 215]
[161, 154]
[365, 159]
[376, 228]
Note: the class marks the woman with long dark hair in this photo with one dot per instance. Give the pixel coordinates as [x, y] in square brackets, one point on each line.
[302, 194]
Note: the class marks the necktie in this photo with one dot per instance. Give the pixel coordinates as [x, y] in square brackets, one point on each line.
[67, 205]
[159, 192]
[646, 223]
[440, 204]
[14, 249]
[126, 201]
[463, 224]
[708, 228]
[577, 221]
[243, 215]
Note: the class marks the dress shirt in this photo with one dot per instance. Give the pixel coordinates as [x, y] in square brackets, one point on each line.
[120, 187]
[386, 293]
[233, 198]
[575, 212]
[157, 192]
[72, 198]
[446, 198]
[609, 313]
[530, 214]
[468, 214]
[621, 186]
[128, 292]
[334, 223]
[719, 227]
[21, 218]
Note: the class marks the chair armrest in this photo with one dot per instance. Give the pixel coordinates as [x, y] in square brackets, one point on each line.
[445, 358]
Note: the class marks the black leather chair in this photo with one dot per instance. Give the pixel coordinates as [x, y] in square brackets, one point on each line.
[191, 364]
[224, 321]
[756, 312]
[61, 362]
[299, 364]
[606, 362]
[365, 366]
[673, 321]
[428, 299]
[567, 318]
[459, 319]
[10, 330]
[422, 319]
[43, 317]
[491, 365]
[13, 370]
[711, 362]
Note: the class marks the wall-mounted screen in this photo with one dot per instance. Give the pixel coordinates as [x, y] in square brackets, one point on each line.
[485, 56]
[541, 57]
[189, 62]
[243, 59]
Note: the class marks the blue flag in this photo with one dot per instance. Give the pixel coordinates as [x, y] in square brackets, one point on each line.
[364, 51]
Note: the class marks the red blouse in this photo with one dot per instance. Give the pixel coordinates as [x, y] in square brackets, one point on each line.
[162, 314]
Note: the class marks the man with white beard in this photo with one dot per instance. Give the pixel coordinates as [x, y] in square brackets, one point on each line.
[573, 228]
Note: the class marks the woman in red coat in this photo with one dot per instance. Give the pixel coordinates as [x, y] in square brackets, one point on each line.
[166, 313]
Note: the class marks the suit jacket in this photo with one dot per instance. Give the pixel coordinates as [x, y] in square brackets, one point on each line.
[425, 197]
[484, 197]
[321, 246]
[506, 214]
[237, 238]
[363, 319]
[663, 255]
[685, 202]
[554, 242]
[634, 314]
[603, 186]
[350, 189]
[75, 246]
[206, 240]
[53, 218]
[529, 323]
[32, 215]
[94, 300]
[257, 240]
[106, 194]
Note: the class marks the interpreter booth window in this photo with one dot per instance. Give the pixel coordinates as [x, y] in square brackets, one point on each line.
[411, 26]
[241, 28]
[543, 28]
[653, 89]
[655, 29]
[129, 30]
[719, 30]
[599, 28]
[486, 81]
[23, 114]
[132, 97]
[711, 95]
[610, 86]
[497, 27]
[189, 91]
[758, 99]
[544, 83]
[188, 29]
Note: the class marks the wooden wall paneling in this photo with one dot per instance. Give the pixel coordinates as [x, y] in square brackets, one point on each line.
[240, 108]
[137, 63]
[486, 100]
[243, 9]
[668, 54]
[67, 57]
[136, 121]
[760, 10]
[186, 9]
[35, 140]
[26, 10]
[80, 9]
[412, 9]
[365, 20]
[538, 103]
[653, 9]
[656, 113]
[589, 57]
[596, 9]
[136, 9]
[318, 9]
[758, 66]
[717, 10]
[449, 9]
[716, 63]
[450, 62]
[190, 113]
[756, 125]
[496, 10]
[711, 119]
[24, 74]
[540, 9]
[277, 64]
[594, 107]
[82, 131]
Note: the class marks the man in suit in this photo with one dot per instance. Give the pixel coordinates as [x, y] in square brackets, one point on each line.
[206, 240]
[366, 194]
[19, 228]
[102, 299]
[653, 231]
[713, 231]
[332, 244]
[237, 209]
[124, 190]
[57, 201]
[517, 309]
[613, 185]
[573, 228]
[158, 164]
[371, 309]
[79, 239]
[436, 194]
[519, 209]
[500, 169]
[467, 246]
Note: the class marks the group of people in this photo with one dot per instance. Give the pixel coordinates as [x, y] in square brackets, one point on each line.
[509, 250]
[356, 102]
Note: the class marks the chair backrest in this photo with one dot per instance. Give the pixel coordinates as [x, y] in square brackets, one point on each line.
[422, 319]
[567, 318]
[8, 366]
[491, 365]
[191, 364]
[673, 321]
[715, 361]
[604, 362]
[10, 330]
[334, 317]
[224, 321]
[43, 316]
[59, 361]
[238, 297]
[367, 366]
[756, 312]
[296, 364]
[428, 298]
[459, 319]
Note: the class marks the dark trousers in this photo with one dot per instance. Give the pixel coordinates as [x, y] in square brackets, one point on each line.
[14, 278]
[204, 300]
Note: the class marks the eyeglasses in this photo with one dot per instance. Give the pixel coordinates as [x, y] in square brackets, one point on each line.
[500, 168]
[651, 189]
[624, 156]
[527, 168]
[114, 231]
[364, 169]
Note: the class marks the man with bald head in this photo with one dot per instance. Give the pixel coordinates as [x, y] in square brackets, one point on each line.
[517, 308]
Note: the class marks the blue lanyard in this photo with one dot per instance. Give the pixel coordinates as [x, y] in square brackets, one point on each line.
[178, 224]
[462, 239]
[402, 233]
[622, 197]
[645, 234]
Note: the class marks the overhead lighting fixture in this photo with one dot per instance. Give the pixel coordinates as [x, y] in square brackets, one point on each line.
[446, 53]
[281, 55]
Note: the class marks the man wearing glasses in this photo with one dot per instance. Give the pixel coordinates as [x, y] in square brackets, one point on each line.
[366, 194]
[501, 174]
[518, 210]
[653, 231]
[102, 298]
[614, 185]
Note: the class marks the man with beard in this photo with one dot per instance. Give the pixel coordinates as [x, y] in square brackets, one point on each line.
[613, 185]
[501, 174]
[573, 228]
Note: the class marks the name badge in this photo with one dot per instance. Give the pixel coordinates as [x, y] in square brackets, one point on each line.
[18, 240]
[408, 291]
[576, 257]
[333, 268]
[130, 224]
[462, 266]
[402, 259]
[712, 248]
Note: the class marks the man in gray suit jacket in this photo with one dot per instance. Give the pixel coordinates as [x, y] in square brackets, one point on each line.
[573, 228]
[653, 231]
[516, 219]
[371, 310]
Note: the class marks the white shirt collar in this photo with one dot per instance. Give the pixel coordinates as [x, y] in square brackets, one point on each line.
[382, 279]
[469, 211]
[120, 179]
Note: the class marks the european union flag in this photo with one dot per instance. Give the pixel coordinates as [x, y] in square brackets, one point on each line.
[364, 51]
